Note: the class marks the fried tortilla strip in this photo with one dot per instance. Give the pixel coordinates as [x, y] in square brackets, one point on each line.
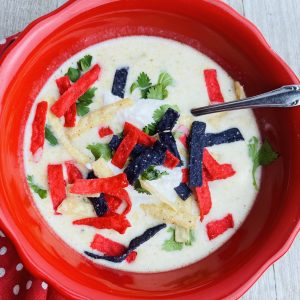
[163, 212]
[182, 235]
[99, 117]
[76, 206]
[101, 169]
[239, 90]
[59, 133]
[156, 194]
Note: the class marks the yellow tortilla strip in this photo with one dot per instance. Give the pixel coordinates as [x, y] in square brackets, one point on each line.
[98, 117]
[239, 90]
[76, 206]
[182, 235]
[59, 133]
[101, 169]
[156, 194]
[163, 212]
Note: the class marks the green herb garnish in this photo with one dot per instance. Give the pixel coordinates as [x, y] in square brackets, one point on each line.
[73, 74]
[152, 174]
[85, 63]
[172, 245]
[150, 129]
[52, 140]
[148, 90]
[100, 150]
[138, 187]
[261, 155]
[84, 101]
[41, 192]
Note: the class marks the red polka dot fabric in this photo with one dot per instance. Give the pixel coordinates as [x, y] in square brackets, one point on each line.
[15, 281]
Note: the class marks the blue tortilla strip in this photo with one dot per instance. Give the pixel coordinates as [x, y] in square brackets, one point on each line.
[153, 156]
[196, 144]
[115, 142]
[100, 205]
[183, 191]
[225, 137]
[133, 245]
[168, 140]
[119, 83]
[137, 150]
[168, 120]
[91, 175]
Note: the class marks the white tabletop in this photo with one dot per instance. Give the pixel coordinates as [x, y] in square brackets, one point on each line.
[279, 20]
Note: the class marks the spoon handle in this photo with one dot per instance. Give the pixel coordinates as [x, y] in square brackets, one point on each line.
[286, 96]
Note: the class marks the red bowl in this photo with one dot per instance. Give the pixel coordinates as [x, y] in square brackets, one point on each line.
[213, 28]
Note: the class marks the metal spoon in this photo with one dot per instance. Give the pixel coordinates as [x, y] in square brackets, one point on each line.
[286, 96]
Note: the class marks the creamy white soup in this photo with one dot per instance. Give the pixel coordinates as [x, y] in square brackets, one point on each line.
[199, 189]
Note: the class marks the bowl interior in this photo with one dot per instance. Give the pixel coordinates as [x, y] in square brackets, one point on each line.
[213, 29]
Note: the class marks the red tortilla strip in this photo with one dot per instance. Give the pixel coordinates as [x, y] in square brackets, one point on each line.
[105, 131]
[123, 151]
[63, 84]
[57, 185]
[212, 85]
[123, 195]
[116, 222]
[70, 116]
[216, 171]
[215, 228]
[143, 138]
[38, 127]
[111, 248]
[113, 203]
[73, 172]
[171, 161]
[204, 198]
[100, 185]
[62, 105]
[185, 175]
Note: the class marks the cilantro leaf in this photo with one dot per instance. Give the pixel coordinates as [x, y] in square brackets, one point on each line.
[138, 187]
[150, 129]
[260, 156]
[143, 81]
[73, 74]
[85, 63]
[152, 174]
[100, 150]
[172, 245]
[134, 86]
[41, 192]
[157, 92]
[165, 79]
[84, 101]
[152, 91]
[52, 140]
[266, 154]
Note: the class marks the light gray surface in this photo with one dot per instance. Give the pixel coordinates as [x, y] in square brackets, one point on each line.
[279, 22]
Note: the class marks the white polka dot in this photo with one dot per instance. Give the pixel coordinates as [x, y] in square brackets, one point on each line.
[28, 284]
[16, 289]
[2, 42]
[19, 267]
[2, 272]
[44, 285]
[2, 234]
[3, 250]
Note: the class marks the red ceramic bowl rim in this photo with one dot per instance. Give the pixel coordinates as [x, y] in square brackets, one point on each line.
[246, 25]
